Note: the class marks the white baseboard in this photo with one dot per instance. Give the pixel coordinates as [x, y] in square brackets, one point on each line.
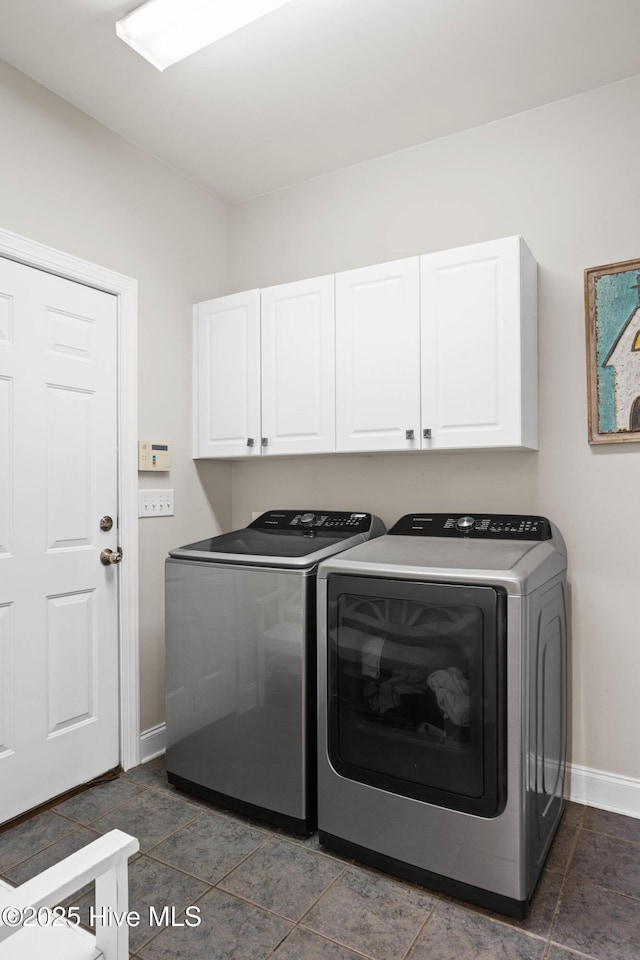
[608, 791]
[594, 788]
[152, 742]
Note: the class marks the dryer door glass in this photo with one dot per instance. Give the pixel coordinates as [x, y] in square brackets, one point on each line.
[417, 689]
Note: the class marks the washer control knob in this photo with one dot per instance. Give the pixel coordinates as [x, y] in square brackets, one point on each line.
[307, 518]
[465, 524]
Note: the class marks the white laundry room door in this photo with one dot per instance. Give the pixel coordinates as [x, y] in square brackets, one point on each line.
[59, 682]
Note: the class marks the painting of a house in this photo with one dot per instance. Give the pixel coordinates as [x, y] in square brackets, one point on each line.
[613, 338]
[624, 357]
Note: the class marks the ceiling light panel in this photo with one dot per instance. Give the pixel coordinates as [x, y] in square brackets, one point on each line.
[165, 31]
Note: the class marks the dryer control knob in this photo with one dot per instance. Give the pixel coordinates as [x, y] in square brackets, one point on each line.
[307, 518]
[465, 524]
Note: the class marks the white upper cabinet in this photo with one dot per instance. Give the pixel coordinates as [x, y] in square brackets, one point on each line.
[437, 352]
[479, 346]
[378, 357]
[298, 368]
[226, 364]
[264, 372]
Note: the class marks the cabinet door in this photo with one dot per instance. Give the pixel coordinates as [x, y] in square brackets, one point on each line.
[227, 376]
[479, 352]
[378, 357]
[298, 373]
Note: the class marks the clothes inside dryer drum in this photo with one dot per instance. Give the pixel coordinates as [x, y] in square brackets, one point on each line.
[412, 654]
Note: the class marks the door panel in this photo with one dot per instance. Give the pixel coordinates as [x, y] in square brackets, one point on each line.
[70, 467]
[7, 677]
[378, 357]
[227, 368]
[6, 443]
[471, 345]
[6, 319]
[58, 476]
[416, 689]
[70, 336]
[298, 362]
[71, 680]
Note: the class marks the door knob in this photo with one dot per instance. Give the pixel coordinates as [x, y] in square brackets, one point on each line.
[106, 523]
[409, 434]
[107, 557]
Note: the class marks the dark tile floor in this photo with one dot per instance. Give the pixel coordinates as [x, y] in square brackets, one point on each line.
[264, 894]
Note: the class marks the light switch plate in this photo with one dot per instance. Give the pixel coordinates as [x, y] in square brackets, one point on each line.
[155, 503]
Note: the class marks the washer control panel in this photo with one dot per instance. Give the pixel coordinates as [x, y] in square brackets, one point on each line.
[333, 521]
[484, 526]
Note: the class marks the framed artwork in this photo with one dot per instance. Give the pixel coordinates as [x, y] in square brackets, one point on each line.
[612, 304]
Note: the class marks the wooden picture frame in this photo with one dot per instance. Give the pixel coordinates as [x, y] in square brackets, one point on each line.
[612, 308]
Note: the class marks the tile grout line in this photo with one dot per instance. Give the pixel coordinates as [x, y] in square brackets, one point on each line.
[501, 920]
[611, 836]
[550, 942]
[194, 876]
[91, 824]
[412, 946]
[371, 872]
[236, 896]
[199, 811]
[326, 939]
[18, 863]
[168, 791]
[339, 876]
[274, 913]
[194, 903]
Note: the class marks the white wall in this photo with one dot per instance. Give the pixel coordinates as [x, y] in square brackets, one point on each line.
[566, 178]
[68, 182]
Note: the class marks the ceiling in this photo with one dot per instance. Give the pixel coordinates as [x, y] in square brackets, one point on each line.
[321, 84]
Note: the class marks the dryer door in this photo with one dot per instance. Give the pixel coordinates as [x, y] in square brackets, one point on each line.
[417, 689]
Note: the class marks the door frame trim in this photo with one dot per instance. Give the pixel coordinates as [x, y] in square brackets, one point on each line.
[33, 254]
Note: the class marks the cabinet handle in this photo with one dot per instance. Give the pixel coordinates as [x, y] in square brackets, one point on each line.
[426, 434]
[265, 441]
[409, 434]
[249, 441]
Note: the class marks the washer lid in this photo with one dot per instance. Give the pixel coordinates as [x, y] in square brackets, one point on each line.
[435, 554]
[517, 564]
[287, 538]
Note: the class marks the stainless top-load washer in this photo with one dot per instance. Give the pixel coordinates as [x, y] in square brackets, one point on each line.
[240, 661]
[442, 702]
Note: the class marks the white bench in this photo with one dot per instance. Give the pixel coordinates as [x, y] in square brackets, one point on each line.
[105, 861]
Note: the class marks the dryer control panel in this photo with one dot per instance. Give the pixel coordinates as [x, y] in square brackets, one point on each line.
[334, 521]
[484, 526]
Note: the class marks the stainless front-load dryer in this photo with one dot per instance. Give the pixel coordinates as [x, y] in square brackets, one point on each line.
[240, 661]
[442, 703]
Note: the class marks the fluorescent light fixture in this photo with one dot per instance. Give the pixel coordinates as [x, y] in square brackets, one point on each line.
[165, 31]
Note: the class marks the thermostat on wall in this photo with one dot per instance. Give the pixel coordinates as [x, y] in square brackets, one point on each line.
[153, 456]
